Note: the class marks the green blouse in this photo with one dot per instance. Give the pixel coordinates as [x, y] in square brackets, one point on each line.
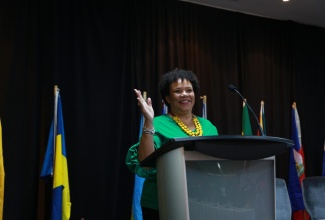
[166, 129]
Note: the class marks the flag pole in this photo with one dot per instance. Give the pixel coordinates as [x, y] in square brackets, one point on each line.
[144, 95]
[164, 108]
[55, 121]
[2, 175]
[204, 101]
[262, 120]
[56, 97]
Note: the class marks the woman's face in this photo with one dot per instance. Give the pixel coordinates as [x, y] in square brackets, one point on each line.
[181, 97]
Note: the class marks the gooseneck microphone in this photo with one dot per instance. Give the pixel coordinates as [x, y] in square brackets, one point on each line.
[233, 88]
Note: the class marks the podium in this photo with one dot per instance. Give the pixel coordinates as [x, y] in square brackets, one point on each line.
[217, 177]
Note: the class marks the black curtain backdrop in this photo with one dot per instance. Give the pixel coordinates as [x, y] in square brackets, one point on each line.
[97, 52]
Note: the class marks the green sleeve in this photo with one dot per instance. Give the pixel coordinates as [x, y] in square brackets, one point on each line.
[133, 164]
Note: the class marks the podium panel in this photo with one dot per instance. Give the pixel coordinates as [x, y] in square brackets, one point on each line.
[228, 189]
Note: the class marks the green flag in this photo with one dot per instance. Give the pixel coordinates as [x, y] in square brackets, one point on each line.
[246, 124]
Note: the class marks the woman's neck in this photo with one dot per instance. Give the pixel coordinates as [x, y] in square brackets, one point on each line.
[185, 116]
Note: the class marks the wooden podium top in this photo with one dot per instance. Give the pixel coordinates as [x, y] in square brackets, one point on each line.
[232, 147]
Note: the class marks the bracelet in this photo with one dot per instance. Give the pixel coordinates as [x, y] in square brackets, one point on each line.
[148, 131]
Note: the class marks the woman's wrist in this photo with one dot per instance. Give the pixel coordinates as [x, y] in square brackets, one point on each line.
[148, 124]
[147, 130]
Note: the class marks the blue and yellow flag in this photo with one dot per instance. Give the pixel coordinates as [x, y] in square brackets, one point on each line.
[138, 181]
[138, 184]
[55, 165]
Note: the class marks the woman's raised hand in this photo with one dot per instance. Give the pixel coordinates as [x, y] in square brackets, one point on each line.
[146, 107]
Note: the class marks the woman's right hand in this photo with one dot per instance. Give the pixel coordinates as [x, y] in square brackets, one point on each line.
[146, 108]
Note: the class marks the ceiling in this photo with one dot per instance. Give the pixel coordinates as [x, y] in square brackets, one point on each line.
[310, 12]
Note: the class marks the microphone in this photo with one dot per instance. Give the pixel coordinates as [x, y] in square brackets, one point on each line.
[233, 88]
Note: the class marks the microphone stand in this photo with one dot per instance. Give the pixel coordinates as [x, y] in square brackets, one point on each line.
[233, 88]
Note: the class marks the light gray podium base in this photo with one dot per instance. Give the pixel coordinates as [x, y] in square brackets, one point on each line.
[173, 199]
[175, 204]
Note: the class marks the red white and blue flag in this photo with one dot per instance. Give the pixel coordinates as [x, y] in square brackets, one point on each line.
[296, 169]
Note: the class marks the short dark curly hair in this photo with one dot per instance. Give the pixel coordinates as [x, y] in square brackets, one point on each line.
[172, 76]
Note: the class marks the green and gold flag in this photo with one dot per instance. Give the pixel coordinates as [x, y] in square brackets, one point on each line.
[246, 124]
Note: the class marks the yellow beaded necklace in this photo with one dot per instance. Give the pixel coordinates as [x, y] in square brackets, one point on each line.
[198, 127]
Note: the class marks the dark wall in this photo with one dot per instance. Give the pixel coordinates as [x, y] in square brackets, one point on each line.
[97, 52]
